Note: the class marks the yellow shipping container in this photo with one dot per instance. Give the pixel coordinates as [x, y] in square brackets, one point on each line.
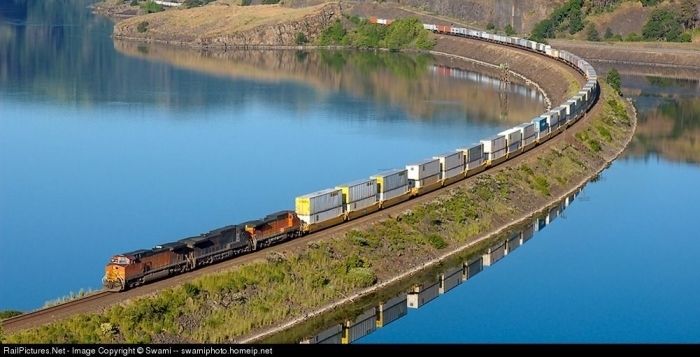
[303, 206]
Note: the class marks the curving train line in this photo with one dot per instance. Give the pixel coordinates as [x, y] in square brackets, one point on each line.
[353, 201]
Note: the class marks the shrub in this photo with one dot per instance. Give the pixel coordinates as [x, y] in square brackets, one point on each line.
[541, 184]
[436, 241]
[608, 34]
[150, 6]
[142, 26]
[592, 33]
[300, 38]
[614, 80]
[509, 30]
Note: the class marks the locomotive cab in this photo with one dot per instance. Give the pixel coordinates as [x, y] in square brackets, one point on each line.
[115, 273]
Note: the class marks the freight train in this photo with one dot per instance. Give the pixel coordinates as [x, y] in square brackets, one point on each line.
[332, 206]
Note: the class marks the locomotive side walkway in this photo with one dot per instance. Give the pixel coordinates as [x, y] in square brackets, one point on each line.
[558, 81]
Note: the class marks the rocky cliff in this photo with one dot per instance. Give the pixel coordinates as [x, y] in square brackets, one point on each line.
[227, 25]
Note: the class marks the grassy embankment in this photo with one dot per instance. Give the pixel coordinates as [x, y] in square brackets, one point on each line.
[253, 296]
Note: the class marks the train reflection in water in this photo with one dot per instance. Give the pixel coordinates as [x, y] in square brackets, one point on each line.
[424, 292]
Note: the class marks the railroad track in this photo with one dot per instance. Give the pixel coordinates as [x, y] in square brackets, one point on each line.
[26, 319]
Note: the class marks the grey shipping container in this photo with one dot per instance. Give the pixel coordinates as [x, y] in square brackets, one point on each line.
[319, 201]
[384, 196]
[450, 279]
[494, 143]
[473, 153]
[495, 253]
[513, 242]
[390, 180]
[362, 326]
[423, 169]
[473, 267]
[449, 161]
[331, 335]
[527, 129]
[424, 295]
[358, 190]
[528, 232]
[322, 216]
[392, 310]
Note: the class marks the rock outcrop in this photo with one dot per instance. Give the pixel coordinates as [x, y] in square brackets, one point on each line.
[230, 26]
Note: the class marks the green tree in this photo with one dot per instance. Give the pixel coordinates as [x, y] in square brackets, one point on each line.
[491, 27]
[509, 30]
[592, 33]
[300, 38]
[333, 35]
[663, 24]
[614, 80]
[150, 6]
[575, 21]
[608, 33]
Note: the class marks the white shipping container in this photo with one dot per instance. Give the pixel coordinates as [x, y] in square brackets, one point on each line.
[387, 195]
[322, 216]
[513, 135]
[358, 205]
[358, 190]
[319, 201]
[494, 143]
[423, 169]
[390, 180]
[449, 161]
[453, 172]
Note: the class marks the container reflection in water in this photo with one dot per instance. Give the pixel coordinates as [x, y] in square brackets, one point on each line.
[421, 294]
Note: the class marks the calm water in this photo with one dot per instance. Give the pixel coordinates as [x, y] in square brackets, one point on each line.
[621, 267]
[108, 147]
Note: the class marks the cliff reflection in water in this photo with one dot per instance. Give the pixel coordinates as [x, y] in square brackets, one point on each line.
[669, 118]
[425, 86]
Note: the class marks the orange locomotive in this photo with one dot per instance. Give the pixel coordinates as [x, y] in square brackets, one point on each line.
[142, 266]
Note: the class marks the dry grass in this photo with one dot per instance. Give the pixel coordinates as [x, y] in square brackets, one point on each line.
[216, 19]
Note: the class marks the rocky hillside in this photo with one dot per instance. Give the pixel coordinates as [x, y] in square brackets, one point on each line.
[522, 15]
[225, 24]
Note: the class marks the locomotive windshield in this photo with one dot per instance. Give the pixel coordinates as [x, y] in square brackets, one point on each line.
[119, 260]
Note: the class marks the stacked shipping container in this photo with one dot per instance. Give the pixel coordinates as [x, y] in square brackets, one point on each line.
[320, 206]
[424, 173]
[494, 147]
[391, 184]
[451, 164]
[514, 138]
[359, 194]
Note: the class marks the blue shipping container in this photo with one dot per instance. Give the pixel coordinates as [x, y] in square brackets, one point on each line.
[541, 124]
